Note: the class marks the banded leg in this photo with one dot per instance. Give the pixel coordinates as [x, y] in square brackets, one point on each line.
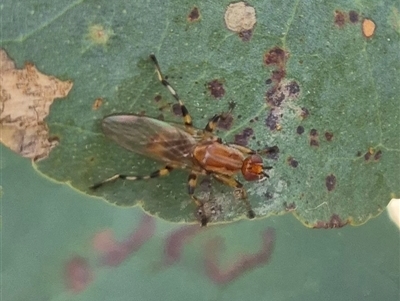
[243, 149]
[192, 183]
[212, 124]
[158, 173]
[232, 182]
[248, 151]
[186, 117]
[271, 150]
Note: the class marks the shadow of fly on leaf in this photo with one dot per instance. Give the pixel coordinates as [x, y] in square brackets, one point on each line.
[185, 147]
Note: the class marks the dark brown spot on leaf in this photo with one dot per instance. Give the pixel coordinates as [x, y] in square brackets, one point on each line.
[272, 121]
[268, 81]
[314, 138]
[290, 206]
[304, 113]
[334, 222]
[368, 154]
[300, 130]
[314, 133]
[160, 117]
[216, 88]
[225, 123]
[328, 136]
[243, 138]
[157, 98]
[176, 109]
[292, 162]
[248, 132]
[280, 91]
[353, 16]
[246, 35]
[293, 89]
[194, 15]
[378, 155]
[278, 75]
[359, 154]
[330, 182]
[340, 18]
[275, 97]
[276, 56]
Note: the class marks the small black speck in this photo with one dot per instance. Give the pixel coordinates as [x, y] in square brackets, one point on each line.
[293, 162]
[353, 16]
[300, 130]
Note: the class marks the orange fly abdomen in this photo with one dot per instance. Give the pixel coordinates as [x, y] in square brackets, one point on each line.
[219, 158]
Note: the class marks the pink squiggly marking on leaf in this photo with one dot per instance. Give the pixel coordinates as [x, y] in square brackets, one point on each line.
[243, 264]
[175, 242]
[113, 253]
[78, 274]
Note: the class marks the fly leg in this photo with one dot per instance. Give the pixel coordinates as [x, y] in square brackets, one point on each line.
[213, 122]
[158, 173]
[239, 191]
[248, 151]
[185, 113]
[243, 149]
[201, 213]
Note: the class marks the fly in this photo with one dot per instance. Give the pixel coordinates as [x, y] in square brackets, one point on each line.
[199, 151]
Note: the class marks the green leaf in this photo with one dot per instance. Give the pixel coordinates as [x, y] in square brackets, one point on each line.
[342, 169]
[47, 225]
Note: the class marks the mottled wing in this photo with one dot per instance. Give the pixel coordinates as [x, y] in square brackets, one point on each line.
[150, 137]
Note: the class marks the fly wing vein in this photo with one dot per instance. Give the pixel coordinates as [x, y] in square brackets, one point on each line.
[150, 137]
